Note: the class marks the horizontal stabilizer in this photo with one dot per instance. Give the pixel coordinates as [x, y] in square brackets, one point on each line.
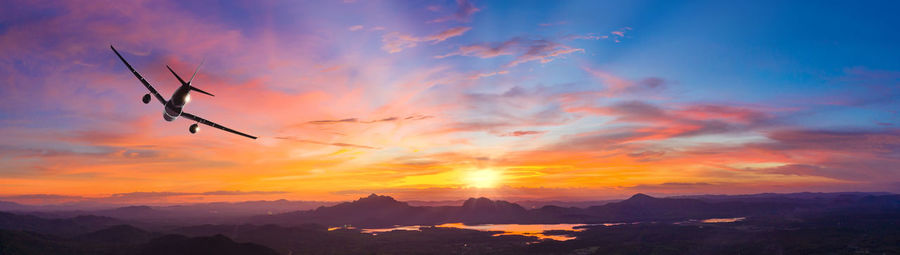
[201, 91]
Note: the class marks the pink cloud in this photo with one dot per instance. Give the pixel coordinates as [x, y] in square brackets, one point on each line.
[397, 42]
[523, 133]
[616, 85]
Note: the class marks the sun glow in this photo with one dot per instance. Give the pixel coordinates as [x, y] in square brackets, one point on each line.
[484, 178]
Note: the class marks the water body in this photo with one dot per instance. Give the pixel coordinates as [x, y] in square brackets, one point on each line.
[712, 220]
[723, 220]
[536, 230]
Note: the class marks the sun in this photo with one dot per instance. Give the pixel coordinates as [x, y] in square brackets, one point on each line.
[483, 178]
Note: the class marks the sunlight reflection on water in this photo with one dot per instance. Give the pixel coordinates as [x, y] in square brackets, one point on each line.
[723, 220]
[712, 220]
[536, 230]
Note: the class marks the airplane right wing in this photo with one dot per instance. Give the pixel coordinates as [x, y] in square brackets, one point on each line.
[213, 124]
[141, 78]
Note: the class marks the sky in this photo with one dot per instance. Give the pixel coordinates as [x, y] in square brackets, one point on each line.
[443, 100]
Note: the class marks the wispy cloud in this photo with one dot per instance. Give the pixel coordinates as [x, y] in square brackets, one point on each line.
[386, 119]
[524, 50]
[523, 133]
[397, 42]
[615, 35]
[350, 120]
[464, 11]
[616, 85]
[324, 143]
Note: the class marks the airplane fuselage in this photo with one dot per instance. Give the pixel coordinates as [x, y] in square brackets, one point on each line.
[176, 103]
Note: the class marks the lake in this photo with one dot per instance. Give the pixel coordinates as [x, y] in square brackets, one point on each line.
[536, 230]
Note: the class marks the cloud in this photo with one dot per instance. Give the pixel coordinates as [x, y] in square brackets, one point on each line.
[485, 75]
[350, 120]
[152, 197]
[238, 192]
[880, 143]
[684, 122]
[524, 133]
[154, 194]
[387, 119]
[447, 34]
[325, 143]
[397, 42]
[464, 11]
[616, 35]
[544, 54]
[418, 117]
[669, 186]
[525, 50]
[619, 34]
[616, 85]
[355, 28]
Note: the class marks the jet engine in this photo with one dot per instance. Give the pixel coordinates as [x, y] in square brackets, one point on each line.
[194, 128]
[146, 99]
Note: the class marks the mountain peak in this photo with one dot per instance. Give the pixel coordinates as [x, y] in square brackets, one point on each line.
[641, 196]
[376, 198]
[375, 201]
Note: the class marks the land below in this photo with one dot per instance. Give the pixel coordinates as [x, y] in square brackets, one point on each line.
[797, 223]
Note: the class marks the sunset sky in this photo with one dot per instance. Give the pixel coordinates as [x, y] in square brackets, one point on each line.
[440, 100]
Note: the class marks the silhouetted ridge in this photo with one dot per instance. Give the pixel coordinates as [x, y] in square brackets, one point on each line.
[372, 211]
[376, 200]
[120, 234]
[483, 210]
[640, 196]
[63, 227]
[485, 204]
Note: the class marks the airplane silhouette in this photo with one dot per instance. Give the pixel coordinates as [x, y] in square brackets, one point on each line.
[175, 105]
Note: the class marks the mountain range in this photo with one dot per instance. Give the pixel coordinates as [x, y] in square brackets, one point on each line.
[801, 223]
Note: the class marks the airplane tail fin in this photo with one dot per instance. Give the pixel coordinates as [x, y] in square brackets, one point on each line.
[195, 71]
[192, 79]
[188, 83]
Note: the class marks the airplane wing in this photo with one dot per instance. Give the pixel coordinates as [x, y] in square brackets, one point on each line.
[141, 78]
[212, 124]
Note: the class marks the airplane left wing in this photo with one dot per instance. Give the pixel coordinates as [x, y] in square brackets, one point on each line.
[212, 124]
[141, 78]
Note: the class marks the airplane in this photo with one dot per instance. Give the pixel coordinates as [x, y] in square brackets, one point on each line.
[173, 108]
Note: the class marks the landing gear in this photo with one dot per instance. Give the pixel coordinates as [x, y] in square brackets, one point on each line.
[146, 99]
[194, 128]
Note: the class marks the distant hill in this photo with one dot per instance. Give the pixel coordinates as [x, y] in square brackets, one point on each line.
[28, 234]
[62, 227]
[118, 234]
[381, 211]
[534, 204]
[199, 213]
